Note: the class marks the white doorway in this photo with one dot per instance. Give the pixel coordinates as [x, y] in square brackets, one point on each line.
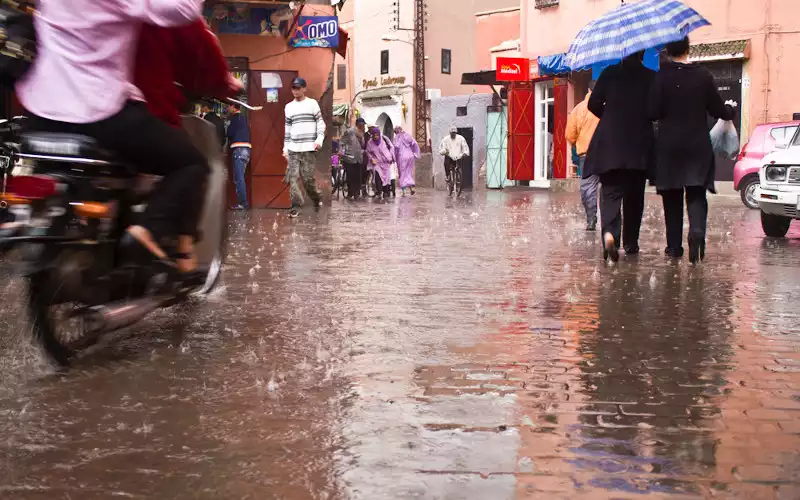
[543, 139]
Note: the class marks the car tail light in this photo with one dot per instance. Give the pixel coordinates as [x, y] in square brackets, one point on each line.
[31, 187]
[743, 152]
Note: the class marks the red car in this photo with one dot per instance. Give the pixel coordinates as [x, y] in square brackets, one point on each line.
[765, 139]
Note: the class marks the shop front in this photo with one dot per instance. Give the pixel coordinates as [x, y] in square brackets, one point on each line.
[268, 46]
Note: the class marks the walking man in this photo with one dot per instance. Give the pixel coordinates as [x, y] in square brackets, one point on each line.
[581, 125]
[353, 157]
[453, 148]
[239, 137]
[305, 132]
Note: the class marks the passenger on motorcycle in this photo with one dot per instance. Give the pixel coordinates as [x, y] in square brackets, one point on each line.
[82, 82]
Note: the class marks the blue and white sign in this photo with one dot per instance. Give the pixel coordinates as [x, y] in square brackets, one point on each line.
[318, 31]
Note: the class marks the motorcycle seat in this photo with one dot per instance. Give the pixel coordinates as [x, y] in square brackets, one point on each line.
[64, 145]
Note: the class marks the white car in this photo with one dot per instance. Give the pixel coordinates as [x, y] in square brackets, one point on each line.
[779, 194]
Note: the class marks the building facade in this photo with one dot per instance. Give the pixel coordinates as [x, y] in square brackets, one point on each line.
[748, 48]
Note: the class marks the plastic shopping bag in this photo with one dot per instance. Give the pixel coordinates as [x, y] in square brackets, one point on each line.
[725, 139]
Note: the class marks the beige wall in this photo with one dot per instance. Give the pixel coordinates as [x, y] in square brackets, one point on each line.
[492, 29]
[773, 26]
[345, 96]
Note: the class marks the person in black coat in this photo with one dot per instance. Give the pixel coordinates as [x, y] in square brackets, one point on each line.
[621, 150]
[682, 97]
[210, 116]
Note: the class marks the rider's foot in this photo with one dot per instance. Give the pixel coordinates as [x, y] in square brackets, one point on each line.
[186, 260]
[145, 238]
[294, 213]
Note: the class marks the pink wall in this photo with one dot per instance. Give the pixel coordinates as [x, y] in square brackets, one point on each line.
[490, 31]
[773, 27]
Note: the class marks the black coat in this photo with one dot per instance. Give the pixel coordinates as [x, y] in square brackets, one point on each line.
[219, 125]
[682, 97]
[624, 136]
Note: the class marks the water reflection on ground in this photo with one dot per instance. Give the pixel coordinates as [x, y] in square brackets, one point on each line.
[431, 348]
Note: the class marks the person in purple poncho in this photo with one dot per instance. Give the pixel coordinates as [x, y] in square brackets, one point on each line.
[380, 152]
[406, 151]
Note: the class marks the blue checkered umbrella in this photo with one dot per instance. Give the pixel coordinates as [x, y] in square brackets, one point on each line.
[631, 28]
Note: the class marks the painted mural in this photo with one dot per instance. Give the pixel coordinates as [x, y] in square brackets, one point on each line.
[242, 19]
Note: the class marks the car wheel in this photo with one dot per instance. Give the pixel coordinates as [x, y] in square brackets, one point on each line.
[748, 190]
[775, 226]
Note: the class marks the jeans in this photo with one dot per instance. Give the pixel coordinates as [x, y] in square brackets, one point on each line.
[589, 195]
[241, 157]
[154, 148]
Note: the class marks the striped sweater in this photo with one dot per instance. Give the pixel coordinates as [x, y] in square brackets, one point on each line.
[305, 127]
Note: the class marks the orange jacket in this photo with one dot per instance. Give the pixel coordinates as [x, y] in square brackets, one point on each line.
[581, 125]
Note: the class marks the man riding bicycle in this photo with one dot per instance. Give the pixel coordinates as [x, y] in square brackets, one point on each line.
[453, 147]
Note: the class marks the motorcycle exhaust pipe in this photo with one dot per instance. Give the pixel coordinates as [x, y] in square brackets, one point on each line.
[111, 317]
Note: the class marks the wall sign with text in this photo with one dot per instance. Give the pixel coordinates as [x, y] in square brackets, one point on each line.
[513, 69]
[317, 31]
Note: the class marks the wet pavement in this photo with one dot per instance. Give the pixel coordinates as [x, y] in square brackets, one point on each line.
[434, 349]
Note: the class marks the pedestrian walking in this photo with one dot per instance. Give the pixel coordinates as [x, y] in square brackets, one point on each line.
[353, 157]
[581, 125]
[239, 138]
[407, 153]
[381, 156]
[305, 132]
[682, 96]
[621, 151]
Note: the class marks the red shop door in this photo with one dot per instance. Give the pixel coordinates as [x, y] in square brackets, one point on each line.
[520, 131]
[265, 185]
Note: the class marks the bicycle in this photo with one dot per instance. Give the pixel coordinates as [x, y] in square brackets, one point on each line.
[454, 179]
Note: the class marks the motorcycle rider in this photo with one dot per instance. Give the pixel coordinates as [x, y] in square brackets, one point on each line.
[82, 83]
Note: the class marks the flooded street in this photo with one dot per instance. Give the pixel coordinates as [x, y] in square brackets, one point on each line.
[432, 349]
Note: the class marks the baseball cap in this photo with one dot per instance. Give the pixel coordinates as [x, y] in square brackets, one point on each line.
[361, 121]
[298, 83]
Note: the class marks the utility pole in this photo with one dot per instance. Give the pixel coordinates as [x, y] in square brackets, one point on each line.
[420, 108]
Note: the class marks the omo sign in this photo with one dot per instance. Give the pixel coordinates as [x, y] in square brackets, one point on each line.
[317, 31]
[513, 69]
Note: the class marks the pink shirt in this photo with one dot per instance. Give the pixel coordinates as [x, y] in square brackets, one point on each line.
[84, 68]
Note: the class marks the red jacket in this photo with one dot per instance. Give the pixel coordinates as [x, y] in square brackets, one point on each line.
[189, 55]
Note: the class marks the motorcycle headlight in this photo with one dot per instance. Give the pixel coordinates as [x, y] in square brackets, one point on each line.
[775, 174]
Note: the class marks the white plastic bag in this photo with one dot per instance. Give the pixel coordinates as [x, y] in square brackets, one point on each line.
[725, 139]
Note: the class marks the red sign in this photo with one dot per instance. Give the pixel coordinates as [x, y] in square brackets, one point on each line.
[513, 69]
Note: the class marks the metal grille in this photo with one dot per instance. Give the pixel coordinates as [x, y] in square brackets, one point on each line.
[794, 175]
[790, 211]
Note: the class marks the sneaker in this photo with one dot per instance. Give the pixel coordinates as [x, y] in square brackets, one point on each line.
[240, 207]
[293, 213]
[317, 205]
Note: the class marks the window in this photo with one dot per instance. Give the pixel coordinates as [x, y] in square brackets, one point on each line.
[447, 59]
[341, 76]
[461, 111]
[782, 135]
[384, 62]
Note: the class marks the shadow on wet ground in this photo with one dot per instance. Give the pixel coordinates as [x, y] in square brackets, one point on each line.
[432, 348]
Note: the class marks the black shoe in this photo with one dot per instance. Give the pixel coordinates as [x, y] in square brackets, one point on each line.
[610, 250]
[631, 250]
[294, 213]
[592, 226]
[697, 251]
[675, 253]
[317, 205]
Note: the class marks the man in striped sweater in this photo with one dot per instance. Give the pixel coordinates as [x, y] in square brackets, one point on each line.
[305, 131]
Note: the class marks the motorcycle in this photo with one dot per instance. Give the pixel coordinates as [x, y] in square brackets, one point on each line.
[69, 216]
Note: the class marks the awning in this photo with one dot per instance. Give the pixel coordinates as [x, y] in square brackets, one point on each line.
[343, 39]
[380, 93]
[721, 51]
[341, 109]
[552, 65]
[488, 77]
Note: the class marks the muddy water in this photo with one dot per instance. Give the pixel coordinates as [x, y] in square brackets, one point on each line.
[427, 348]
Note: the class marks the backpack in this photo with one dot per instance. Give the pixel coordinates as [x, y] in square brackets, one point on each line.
[17, 40]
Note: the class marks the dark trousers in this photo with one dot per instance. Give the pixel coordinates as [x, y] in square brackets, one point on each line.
[622, 205]
[155, 148]
[380, 187]
[696, 205]
[353, 173]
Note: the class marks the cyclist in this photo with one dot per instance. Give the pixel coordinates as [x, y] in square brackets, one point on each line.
[453, 147]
